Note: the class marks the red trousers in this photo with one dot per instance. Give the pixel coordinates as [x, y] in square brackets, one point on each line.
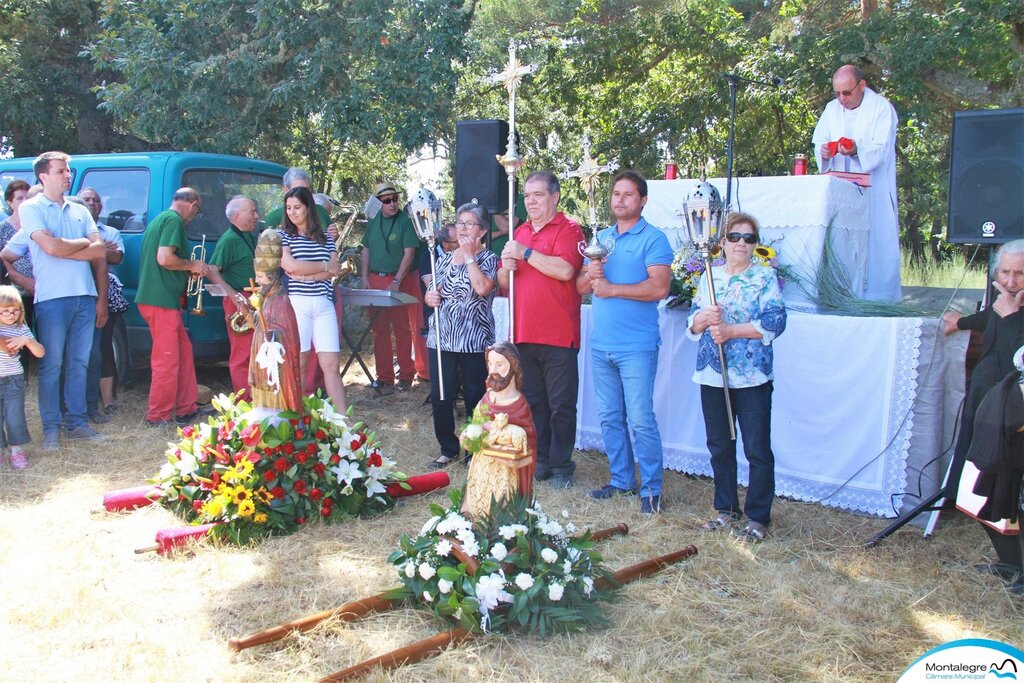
[241, 348]
[172, 390]
[399, 320]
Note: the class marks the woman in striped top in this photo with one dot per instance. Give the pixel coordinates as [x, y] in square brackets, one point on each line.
[310, 261]
[462, 311]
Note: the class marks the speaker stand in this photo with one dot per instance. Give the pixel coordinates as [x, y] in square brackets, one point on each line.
[933, 505]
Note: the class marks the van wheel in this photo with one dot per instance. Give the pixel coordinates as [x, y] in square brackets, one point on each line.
[122, 355]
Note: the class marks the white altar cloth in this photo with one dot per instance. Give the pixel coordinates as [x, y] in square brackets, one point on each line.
[863, 408]
[793, 211]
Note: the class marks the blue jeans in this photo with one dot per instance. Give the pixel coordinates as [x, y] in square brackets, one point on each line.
[624, 383]
[65, 329]
[752, 406]
[12, 404]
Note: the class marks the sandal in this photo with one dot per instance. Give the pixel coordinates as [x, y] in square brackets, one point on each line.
[722, 522]
[753, 533]
[441, 462]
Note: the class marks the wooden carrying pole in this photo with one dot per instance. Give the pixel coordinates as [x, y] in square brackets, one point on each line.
[424, 649]
[350, 611]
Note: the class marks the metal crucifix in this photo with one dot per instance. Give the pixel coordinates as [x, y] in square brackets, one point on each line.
[511, 161]
[588, 172]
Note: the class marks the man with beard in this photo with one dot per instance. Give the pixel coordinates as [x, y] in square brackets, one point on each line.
[486, 475]
[545, 257]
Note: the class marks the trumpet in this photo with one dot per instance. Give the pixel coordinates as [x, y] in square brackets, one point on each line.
[195, 281]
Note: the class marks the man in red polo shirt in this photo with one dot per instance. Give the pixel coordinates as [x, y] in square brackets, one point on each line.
[546, 322]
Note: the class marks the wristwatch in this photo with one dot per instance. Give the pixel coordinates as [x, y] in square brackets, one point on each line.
[527, 254]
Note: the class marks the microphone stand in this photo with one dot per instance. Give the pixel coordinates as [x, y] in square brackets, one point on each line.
[733, 81]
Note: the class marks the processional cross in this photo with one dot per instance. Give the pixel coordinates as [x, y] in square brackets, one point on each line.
[588, 172]
[511, 161]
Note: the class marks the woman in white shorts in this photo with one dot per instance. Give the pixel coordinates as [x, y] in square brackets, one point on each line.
[310, 261]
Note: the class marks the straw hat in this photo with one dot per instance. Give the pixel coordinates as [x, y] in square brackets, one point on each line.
[384, 189]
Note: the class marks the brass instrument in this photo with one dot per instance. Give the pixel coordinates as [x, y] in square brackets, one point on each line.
[195, 281]
[240, 321]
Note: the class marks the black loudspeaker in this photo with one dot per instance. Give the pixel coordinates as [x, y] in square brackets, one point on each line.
[477, 171]
[986, 177]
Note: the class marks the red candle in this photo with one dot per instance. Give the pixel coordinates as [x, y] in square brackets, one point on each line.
[169, 539]
[671, 171]
[129, 499]
[800, 164]
[420, 483]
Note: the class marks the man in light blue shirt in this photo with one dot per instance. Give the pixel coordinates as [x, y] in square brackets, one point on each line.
[69, 265]
[627, 286]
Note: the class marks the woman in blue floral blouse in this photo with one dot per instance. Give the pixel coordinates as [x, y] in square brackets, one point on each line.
[749, 315]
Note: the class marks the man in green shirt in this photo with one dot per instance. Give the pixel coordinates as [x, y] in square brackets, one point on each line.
[234, 255]
[388, 263]
[163, 276]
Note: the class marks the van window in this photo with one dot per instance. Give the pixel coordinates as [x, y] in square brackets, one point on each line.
[217, 187]
[7, 176]
[125, 195]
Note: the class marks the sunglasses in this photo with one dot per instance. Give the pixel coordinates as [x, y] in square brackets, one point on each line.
[748, 237]
[389, 200]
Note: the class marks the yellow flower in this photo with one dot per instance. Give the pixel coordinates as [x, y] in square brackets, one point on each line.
[246, 508]
[224, 490]
[241, 495]
[764, 253]
[231, 475]
[264, 495]
[213, 507]
[244, 467]
[260, 518]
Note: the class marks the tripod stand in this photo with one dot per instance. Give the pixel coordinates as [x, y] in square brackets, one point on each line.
[934, 505]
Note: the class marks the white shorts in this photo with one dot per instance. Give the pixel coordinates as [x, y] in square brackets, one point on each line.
[318, 323]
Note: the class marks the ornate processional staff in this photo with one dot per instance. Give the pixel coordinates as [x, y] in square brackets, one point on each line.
[425, 211]
[511, 76]
[588, 172]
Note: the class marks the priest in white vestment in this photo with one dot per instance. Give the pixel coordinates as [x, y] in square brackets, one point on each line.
[864, 117]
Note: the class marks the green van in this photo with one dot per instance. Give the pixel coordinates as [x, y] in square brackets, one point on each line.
[135, 188]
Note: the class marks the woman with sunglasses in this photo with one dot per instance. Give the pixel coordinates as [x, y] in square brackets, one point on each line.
[310, 261]
[748, 316]
[462, 305]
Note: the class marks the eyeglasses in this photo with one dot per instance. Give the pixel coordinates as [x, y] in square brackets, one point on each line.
[464, 224]
[846, 93]
[10, 311]
[389, 200]
[748, 237]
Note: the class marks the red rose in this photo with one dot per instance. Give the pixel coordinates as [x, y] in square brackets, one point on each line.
[294, 422]
[299, 487]
[277, 492]
[301, 457]
[300, 520]
[288, 448]
[269, 476]
[320, 469]
[320, 435]
[335, 459]
[325, 511]
[311, 448]
[354, 446]
[316, 494]
[280, 464]
[375, 460]
[299, 434]
[306, 419]
[251, 435]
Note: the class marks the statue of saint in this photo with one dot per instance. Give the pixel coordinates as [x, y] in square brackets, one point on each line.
[274, 360]
[506, 465]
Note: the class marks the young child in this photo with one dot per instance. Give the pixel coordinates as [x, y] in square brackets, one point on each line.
[14, 336]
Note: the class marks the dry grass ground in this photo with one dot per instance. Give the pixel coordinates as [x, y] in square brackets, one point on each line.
[808, 605]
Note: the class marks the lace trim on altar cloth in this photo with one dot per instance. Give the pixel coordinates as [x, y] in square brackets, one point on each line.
[890, 466]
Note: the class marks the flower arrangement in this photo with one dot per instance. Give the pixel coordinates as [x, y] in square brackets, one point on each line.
[515, 569]
[254, 478]
[688, 266]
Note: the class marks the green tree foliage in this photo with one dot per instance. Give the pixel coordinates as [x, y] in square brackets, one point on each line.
[218, 75]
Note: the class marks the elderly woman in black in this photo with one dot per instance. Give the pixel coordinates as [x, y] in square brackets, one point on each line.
[465, 279]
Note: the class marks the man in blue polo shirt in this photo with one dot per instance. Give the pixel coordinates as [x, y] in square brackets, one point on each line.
[627, 287]
[68, 262]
